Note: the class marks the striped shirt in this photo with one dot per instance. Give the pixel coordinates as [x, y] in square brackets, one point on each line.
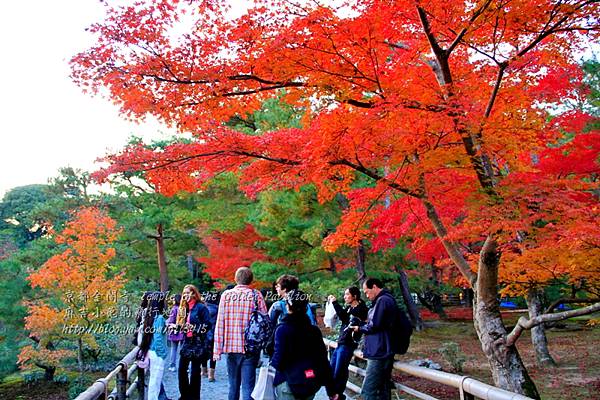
[235, 308]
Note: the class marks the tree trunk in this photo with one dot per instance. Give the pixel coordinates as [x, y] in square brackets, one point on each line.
[360, 249]
[360, 263]
[80, 354]
[538, 333]
[433, 301]
[191, 266]
[331, 263]
[508, 370]
[468, 297]
[411, 307]
[48, 372]
[162, 261]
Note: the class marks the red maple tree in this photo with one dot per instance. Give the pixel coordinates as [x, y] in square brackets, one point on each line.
[439, 104]
[227, 251]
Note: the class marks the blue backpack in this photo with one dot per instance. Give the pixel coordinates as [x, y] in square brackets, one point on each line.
[259, 330]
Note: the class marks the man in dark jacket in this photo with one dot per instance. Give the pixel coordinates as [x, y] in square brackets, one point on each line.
[378, 349]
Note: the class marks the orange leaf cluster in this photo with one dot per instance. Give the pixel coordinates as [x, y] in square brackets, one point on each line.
[438, 104]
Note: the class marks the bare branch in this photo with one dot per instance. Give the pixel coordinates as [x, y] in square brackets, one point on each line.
[569, 300]
[525, 323]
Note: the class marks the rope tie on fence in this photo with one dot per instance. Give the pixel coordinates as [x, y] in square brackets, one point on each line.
[464, 395]
[104, 384]
[123, 364]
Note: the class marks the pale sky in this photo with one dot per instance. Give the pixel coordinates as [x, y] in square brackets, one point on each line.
[46, 122]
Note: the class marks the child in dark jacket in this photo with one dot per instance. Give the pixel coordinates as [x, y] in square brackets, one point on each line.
[209, 365]
[300, 356]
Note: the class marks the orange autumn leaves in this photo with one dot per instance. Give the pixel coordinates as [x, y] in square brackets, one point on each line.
[74, 287]
[376, 102]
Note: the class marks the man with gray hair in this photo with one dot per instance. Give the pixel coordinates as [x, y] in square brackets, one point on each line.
[235, 309]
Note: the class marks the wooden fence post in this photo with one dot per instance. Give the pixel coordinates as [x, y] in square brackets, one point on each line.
[122, 383]
[141, 383]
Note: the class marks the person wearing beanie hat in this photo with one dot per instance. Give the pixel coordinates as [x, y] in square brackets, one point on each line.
[300, 356]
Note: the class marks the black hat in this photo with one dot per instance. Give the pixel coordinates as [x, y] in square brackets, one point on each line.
[297, 300]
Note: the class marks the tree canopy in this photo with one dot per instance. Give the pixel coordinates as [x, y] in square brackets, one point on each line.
[440, 105]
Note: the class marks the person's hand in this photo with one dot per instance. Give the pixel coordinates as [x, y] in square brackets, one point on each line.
[354, 328]
[334, 397]
[216, 357]
[331, 298]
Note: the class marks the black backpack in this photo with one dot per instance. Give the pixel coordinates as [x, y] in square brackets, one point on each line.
[401, 331]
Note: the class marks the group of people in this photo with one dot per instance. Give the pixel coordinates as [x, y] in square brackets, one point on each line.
[203, 330]
[190, 332]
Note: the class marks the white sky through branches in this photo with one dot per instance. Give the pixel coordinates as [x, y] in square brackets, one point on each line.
[46, 122]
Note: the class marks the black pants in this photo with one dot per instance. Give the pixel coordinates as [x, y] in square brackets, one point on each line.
[189, 387]
[212, 363]
[206, 362]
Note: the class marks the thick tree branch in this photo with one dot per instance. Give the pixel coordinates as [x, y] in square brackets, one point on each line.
[376, 176]
[451, 247]
[525, 323]
[487, 274]
[569, 300]
[463, 31]
[441, 55]
[490, 105]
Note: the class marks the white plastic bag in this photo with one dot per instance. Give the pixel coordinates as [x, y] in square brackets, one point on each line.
[263, 389]
[330, 319]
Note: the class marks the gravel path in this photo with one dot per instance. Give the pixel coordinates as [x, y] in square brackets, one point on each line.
[217, 390]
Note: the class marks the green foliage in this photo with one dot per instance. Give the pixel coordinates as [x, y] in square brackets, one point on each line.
[79, 385]
[33, 376]
[453, 355]
[591, 69]
[273, 114]
[139, 214]
[18, 213]
[295, 223]
[220, 207]
[13, 288]
[320, 285]
[61, 378]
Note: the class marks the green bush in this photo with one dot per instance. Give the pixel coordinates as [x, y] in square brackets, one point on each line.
[453, 355]
[61, 378]
[33, 376]
[78, 386]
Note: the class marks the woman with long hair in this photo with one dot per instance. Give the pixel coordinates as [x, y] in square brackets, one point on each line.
[355, 313]
[157, 351]
[151, 340]
[194, 320]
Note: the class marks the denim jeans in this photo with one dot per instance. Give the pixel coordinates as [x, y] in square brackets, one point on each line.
[340, 359]
[189, 387]
[378, 380]
[241, 371]
[174, 350]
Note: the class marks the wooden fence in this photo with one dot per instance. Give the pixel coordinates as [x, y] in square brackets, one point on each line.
[124, 384]
[468, 388]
